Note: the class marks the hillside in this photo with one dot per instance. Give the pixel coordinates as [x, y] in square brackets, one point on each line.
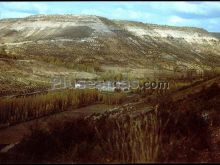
[192, 116]
[35, 48]
[217, 35]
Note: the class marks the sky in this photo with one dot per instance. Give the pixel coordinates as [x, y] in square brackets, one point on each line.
[201, 14]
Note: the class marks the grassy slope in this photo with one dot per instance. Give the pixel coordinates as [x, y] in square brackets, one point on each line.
[191, 123]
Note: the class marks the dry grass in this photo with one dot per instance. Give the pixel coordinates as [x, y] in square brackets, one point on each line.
[186, 132]
[14, 110]
[122, 136]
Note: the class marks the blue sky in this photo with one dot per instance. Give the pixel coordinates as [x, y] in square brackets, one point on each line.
[197, 14]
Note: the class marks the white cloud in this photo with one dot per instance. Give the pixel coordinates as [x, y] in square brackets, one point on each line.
[129, 14]
[179, 21]
[187, 7]
[176, 19]
[42, 8]
[203, 8]
[214, 21]
[21, 9]
[118, 13]
[211, 24]
[200, 14]
[92, 12]
[13, 14]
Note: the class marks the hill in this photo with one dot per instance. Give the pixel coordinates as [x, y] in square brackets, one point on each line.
[35, 48]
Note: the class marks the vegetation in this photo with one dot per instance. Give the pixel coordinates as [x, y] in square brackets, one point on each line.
[118, 136]
[175, 131]
[79, 66]
[26, 108]
[111, 75]
[186, 132]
